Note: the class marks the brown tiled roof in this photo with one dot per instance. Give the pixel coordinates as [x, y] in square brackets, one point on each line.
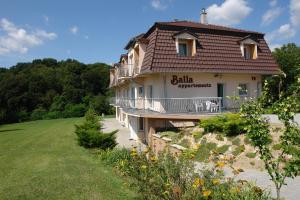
[218, 50]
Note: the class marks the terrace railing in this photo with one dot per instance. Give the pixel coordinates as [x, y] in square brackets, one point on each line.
[172, 105]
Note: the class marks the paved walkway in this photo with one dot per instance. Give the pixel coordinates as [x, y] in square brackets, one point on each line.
[123, 135]
[289, 192]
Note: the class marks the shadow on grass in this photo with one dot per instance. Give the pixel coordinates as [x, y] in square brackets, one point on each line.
[9, 130]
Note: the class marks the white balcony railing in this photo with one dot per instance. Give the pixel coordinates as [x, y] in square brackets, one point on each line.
[173, 105]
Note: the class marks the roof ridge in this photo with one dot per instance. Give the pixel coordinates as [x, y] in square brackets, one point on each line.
[232, 29]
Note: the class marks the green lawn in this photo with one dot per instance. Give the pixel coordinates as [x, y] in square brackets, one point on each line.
[41, 160]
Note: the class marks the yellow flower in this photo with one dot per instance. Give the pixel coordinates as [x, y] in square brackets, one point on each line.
[234, 190]
[143, 167]
[192, 156]
[216, 181]
[153, 158]
[146, 150]
[133, 153]
[220, 164]
[198, 182]
[206, 193]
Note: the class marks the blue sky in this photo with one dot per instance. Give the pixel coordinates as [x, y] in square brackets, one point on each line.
[97, 30]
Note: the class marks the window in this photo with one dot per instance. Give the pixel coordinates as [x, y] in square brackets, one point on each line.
[141, 124]
[249, 50]
[141, 91]
[183, 51]
[243, 90]
[150, 95]
[246, 53]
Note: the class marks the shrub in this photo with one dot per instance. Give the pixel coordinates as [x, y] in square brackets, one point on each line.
[53, 115]
[185, 143]
[89, 134]
[219, 137]
[204, 151]
[251, 154]
[238, 150]
[176, 178]
[236, 141]
[197, 135]
[229, 124]
[38, 114]
[247, 140]
[115, 156]
[175, 136]
[222, 149]
[276, 147]
[74, 110]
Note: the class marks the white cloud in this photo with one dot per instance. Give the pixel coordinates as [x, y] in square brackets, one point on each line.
[20, 40]
[74, 30]
[295, 12]
[273, 3]
[271, 15]
[46, 18]
[284, 32]
[274, 46]
[160, 4]
[230, 12]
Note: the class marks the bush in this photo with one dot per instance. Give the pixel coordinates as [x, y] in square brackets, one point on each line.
[219, 137]
[54, 115]
[101, 105]
[38, 114]
[185, 143]
[89, 134]
[236, 142]
[228, 124]
[205, 150]
[222, 149]
[251, 154]
[74, 110]
[238, 150]
[175, 178]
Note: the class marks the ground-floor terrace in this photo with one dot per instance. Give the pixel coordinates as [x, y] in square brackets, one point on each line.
[145, 116]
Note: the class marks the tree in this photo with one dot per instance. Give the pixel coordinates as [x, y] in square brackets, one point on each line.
[287, 162]
[52, 85]
[288, 59]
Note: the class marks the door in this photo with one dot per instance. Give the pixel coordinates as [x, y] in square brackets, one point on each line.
[220, 87]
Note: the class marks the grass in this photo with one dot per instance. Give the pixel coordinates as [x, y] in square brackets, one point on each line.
[41, 160]
[222, 149]
[204, 151]
[236, 141]
[251, 154]
[238, 150]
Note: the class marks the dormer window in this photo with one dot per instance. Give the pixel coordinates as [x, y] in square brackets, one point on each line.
[183, 49]
[248, 48]
[185, 43]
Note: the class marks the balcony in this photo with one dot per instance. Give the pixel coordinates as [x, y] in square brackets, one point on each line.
[198, 105]
[124, 71]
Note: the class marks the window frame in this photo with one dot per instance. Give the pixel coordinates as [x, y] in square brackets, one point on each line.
[141, 91]
[186, 49]
[141, 122]
[245, 90]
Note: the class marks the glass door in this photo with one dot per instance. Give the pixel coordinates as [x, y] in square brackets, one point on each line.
[220, 87]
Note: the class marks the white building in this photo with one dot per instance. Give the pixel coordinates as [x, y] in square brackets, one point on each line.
[181, 71]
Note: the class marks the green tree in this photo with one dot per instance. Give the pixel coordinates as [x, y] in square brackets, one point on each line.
[287, 162]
